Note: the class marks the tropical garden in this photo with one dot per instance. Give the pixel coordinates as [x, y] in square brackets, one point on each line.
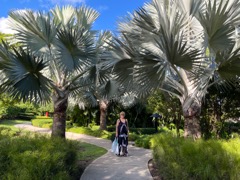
[173, 67]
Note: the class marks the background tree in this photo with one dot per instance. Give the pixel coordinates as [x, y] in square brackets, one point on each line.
[181, 47]
[56, 49]
[102, 86]
[220, 115]
[169, 107]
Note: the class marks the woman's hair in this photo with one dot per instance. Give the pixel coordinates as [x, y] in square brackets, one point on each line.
[122, 113]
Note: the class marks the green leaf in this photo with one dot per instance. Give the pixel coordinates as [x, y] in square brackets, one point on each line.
[219, 20]
[24, 77]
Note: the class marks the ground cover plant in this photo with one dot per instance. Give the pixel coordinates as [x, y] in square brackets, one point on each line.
[179, 158]
[31, 156]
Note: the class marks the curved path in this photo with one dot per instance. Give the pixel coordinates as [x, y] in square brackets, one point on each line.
[108, 166]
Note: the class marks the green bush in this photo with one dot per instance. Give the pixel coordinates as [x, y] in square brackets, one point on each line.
[12, 112]
[89, 131]
[6, 131]
[135, 130]
[38, 157]
[144, 141]
[42, 123]
[179, 158]
[111, 128]
[46, 122]
[143, 130]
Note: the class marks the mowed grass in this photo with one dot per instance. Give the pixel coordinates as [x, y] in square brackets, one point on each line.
[42, 122]
[11, 124]
[89, 152]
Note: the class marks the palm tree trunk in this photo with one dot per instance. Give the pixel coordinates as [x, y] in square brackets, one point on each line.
[192, 126]
[60, 115]
[103, 105]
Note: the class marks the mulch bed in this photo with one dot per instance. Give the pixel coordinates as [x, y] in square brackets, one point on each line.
[153, 170]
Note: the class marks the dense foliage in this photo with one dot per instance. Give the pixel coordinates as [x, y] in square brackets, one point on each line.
[93, 130]
[179, 158]
[169, 107]
[220, 115]
[26, 157]
[13, 109]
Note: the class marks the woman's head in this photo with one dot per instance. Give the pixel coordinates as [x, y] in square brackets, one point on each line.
[122, 114]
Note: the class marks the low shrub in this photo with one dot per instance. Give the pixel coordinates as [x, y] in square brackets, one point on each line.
[93, 131]
[42, 123]
[179, 158]
[6, 131]
[40, 157]
[144, 141]
[133, 136]
[11, 112]
[89, 131]
[111, 128]
[143, 130]
[135, 130]
[42, 117]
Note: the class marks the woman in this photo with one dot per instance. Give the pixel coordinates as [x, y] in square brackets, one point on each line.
[122, 134]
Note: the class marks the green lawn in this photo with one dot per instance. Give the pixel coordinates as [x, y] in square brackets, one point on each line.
[10, 124]
[90, 152]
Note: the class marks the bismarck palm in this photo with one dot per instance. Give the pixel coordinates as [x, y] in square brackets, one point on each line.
[54, 50]
[179, 47]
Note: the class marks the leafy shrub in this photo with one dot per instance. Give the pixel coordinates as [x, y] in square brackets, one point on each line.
[42, 123]
[143, 130]
[144, 141]
[111, 128]
[6, 131]
[37, 158]
[135, 130]
[89, 131]
[179, 158]
[12, 112]
[42, 117]
[46, 122]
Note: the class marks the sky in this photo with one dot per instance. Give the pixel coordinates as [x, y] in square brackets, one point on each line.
[111, 11]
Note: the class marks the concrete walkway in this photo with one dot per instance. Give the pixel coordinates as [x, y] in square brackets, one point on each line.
[109, 166]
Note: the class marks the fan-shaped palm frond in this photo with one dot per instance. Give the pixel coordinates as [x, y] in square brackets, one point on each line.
[162, 47]
[86, 17]
[229, 67]
[23, 75]
[64, 16]
[219, 20]
[190, 7]
[75, 49]
[33, 29]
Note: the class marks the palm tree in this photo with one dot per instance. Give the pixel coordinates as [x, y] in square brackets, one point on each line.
[181, 47]
[54, 51]
[103, 86]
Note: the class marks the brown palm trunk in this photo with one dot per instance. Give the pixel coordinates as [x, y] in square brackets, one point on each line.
[192, 126]
[60, 115]
[103, 105]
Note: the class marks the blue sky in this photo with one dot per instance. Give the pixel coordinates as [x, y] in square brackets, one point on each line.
[111, 11]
